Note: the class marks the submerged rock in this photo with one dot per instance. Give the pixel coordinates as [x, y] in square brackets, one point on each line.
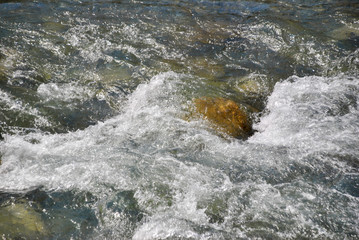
[344, 32]
[254, 84]
[55, 27]
[251, 87]
[225, 116]
[204, 68]
[19, 220]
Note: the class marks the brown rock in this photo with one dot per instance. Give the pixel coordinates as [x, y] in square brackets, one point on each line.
[225, 115]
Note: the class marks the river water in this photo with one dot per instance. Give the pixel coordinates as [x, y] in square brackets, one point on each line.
[95, 142]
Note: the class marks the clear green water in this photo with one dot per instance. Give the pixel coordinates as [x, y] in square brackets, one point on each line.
[93, 97]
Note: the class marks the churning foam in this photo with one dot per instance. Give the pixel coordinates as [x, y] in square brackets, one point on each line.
[316, 113]
[187, 180]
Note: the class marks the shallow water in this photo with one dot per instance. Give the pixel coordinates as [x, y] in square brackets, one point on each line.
[96, 145]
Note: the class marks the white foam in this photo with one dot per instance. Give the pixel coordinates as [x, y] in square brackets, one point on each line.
[14, 104]
[147, 111]
[163, 228]
[176, 169]
[314, 113]
[63, 92]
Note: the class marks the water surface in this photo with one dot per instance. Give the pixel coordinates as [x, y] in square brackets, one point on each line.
[96, 145]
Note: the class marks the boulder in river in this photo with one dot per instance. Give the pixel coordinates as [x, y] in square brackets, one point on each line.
[225, 116]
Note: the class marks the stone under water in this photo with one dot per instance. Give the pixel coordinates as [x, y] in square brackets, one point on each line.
[225, 115]
[19, 220]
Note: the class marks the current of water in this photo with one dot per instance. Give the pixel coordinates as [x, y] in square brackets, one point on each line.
[95, 143]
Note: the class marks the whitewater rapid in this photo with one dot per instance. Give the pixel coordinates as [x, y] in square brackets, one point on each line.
[298, 173]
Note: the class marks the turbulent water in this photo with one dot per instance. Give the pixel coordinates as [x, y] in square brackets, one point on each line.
[96, 141]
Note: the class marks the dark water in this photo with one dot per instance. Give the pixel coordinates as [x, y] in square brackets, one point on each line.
[94, 139]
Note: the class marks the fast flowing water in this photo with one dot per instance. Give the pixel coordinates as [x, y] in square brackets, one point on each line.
[95, 139]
